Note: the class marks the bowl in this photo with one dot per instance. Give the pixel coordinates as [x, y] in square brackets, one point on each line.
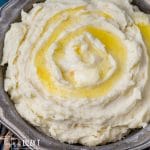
[137, 139]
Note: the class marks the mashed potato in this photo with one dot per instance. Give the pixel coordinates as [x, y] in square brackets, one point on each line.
[79, 69]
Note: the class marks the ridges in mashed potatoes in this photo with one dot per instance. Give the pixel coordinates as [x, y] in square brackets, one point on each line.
[79, 70]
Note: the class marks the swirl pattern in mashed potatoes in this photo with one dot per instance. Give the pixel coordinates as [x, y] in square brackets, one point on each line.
[79, 69]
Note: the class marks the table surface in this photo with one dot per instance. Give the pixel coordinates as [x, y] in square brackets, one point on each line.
[3, 2]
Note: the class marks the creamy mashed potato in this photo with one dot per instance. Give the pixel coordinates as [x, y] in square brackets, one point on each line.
[79, 69]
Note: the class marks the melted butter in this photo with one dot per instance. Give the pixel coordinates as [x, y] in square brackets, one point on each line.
[117, 50]
[145, 30]
[105, 15]
[99, 13]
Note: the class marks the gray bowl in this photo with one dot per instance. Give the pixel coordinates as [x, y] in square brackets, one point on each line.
[138, 139]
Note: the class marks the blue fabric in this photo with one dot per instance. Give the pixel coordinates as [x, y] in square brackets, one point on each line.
[3, 2]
